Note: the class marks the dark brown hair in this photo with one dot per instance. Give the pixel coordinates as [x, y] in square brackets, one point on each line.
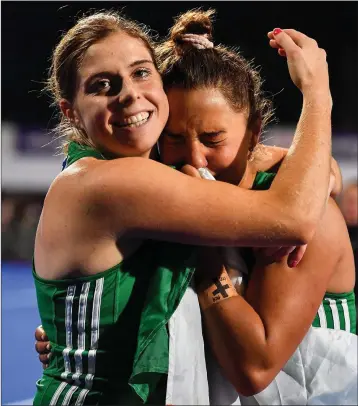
[70, 51]
[220, 67]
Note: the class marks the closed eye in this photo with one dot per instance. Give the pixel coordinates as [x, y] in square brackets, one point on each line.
[212, 138]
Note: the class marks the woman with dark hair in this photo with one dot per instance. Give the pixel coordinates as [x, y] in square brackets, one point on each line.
[217, 111]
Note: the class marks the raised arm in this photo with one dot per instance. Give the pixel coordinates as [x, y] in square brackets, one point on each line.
[303, 55]
[253, 339]
[145, 199]
[268, 158]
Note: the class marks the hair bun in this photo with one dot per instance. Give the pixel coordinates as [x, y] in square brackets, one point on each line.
[196, 21]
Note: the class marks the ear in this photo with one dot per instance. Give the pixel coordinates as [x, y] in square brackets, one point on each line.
[255, 131]
[69, 112]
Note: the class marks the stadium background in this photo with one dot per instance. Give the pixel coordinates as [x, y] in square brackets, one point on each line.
[30, 160]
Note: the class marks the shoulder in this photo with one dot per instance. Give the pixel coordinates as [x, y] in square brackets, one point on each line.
[330, 243]
[332, 225]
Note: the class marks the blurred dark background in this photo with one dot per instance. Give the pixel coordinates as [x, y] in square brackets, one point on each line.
[30, 31]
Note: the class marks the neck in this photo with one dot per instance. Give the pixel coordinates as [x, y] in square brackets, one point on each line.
[151, 154]
[234, 174]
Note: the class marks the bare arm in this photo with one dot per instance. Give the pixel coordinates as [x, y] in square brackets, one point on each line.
[254, 338]
[269, 158]
[136, 197]
[145, 199]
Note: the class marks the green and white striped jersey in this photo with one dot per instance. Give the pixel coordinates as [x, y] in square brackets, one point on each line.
[108, 332]
[337, 311]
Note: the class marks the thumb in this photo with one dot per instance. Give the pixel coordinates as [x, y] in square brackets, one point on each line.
[284, 41]
[191, 171]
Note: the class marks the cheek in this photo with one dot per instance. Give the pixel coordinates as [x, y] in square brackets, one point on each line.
[95, 114]
[154, 92]
[220, 158]
[161, 101]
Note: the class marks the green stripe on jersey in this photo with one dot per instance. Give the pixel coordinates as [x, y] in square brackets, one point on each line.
[337, 311]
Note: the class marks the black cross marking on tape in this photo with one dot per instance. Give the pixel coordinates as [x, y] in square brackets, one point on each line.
[221, 289]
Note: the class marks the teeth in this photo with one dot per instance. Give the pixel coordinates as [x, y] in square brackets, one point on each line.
[138, 118]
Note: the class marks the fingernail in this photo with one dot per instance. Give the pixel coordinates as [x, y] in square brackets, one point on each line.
[49, 355]
[276, 31]
[43, 338]
[48, 347]
[293, 264]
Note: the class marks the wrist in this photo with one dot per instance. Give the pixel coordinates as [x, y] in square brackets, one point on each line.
[320, 99]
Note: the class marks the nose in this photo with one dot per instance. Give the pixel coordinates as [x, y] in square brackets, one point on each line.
[195, 155]
[128, 93]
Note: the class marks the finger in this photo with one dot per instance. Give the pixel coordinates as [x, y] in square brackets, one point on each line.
[332, 181]
[45, 358]
[270, 35]
[285, 42]
[274, 44]
[191, 171]
[296, 256]
[299, 38]
[42, 347]
[40, 334]
[281, 52]
[282, 253]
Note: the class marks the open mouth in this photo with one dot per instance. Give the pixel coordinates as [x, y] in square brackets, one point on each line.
[135, 121]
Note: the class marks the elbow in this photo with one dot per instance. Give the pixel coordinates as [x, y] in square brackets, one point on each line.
[254, 382]
[305, 232]
[296, 225]
[302, 228]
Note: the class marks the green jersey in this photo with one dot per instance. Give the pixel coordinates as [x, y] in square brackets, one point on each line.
[108, 332]
[337, 310]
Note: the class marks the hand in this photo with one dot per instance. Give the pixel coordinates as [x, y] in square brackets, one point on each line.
[306, 61]
[190, 170]
[42, 346]
[270, 255]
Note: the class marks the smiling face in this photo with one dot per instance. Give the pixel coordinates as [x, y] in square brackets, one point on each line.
[203, 130]
[120, 103]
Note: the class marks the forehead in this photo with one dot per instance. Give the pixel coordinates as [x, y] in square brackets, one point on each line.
[117, 51]
[200, 107]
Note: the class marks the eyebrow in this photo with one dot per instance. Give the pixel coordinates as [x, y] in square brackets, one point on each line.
[140, 62]
[108, 73]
